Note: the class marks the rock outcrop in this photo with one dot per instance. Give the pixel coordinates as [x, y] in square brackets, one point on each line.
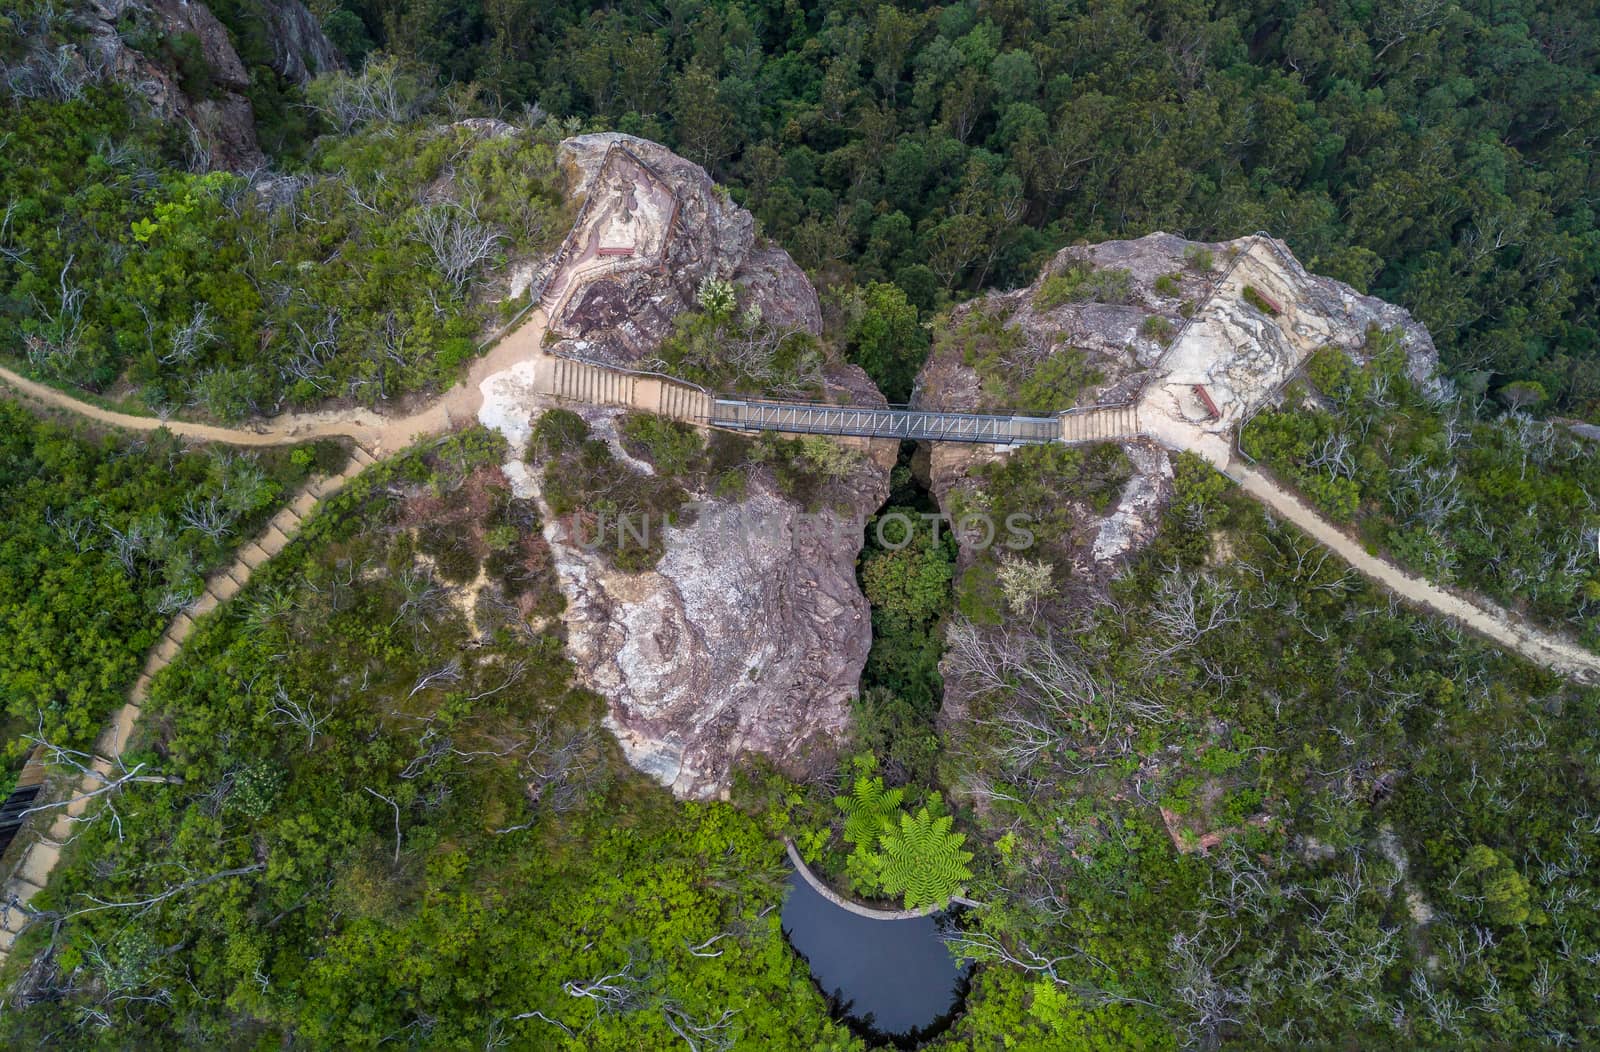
[221, 117]
[1165, 318]
[748, 636]
[682, 229]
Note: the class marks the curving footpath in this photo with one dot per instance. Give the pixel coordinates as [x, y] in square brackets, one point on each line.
[519, 361]
[1480, 615]
[855, 907]
[519, 358]
[28, 878]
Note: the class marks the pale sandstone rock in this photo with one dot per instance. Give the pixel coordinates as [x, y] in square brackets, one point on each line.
[623, 316]
[748, 637]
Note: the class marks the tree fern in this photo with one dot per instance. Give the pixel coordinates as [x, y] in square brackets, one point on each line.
[868, 811]
[923, 860]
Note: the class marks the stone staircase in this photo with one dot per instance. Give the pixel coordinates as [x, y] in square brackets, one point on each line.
[1117, 423]
[589, 384]
[33, 869]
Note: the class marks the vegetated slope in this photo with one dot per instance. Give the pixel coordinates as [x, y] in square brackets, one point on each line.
[1436, 155]
[363, 269]
[104, 539]
[1501, 504]
[397, 816]
[1244, 799]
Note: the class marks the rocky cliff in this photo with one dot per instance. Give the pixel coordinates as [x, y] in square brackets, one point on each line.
[1123, 315]
[180, 58]
[749, 634]
[622, 316]
[748, 637]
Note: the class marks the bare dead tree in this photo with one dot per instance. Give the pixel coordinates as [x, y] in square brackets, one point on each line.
[60, 73]
[57, 349]
[151, 900]
[557, 769]
[76, 530]
[207, 515]
[460, 243]
[9, 251]
[1394, 24]
[102, 786]
[1212, 1004]
[391, 802]
[699, 1036]
[189, 339]
[421, 597]
[1189, 606]
[449, 672]
[289, 711]
[434, 748]
[128, 544]
[614, 992]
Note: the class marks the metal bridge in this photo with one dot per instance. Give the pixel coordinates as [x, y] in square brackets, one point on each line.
[1096, 424]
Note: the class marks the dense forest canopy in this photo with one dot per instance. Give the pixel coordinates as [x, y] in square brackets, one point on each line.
[1229, 794]
[1437, 154]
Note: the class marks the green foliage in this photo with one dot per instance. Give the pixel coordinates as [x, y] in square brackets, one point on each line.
[884, 336]
[520, 854]
[907, 580]
[1253, 296]
[899, 731]
[923, 859]
[1084, 283]
[1157, 328]
[743, 354]
[716, 297]
[869, 809]
[1490, 881]
[673, 448]
[1444, 491]
[203, 291]
[103, 541]
[1251, 740]
[1013, 377]
[1199, 258]
[604, 503]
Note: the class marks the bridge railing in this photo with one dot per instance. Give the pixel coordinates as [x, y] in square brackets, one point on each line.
[882, 422]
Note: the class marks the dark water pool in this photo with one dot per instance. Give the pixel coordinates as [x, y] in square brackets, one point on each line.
[891, 980]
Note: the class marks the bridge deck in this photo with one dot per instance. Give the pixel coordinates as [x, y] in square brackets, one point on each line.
[818, 419]
[1099, 424]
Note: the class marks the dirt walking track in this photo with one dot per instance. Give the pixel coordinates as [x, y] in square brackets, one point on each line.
[520, 361]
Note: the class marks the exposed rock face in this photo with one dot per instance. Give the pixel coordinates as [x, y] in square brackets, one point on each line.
[223, 120]
[1115, 338]
[622, 311]
[1238, 354]
[300, 49]
[749, 636]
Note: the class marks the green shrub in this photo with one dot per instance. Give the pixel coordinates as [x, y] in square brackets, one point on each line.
[1083, 283]
[1157, 328]
[1168, 285]
[1199, 258]
[671, 447]
[1254, 297]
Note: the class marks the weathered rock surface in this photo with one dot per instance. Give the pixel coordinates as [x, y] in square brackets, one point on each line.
[622, 316]
[1114, 338]
[749, 636]
[1229, 347]
[223, 119]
